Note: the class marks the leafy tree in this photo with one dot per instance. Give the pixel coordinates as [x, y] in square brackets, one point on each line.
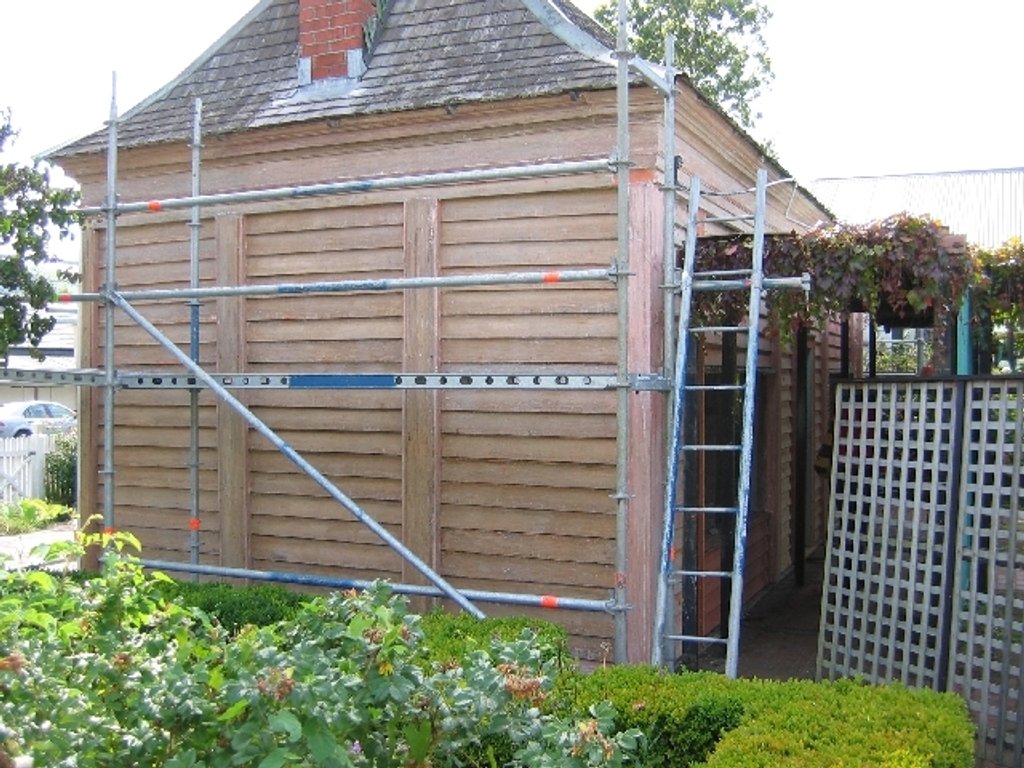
[719, 45]
[30, 211]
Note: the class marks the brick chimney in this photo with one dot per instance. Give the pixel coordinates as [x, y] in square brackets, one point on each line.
[331, 38]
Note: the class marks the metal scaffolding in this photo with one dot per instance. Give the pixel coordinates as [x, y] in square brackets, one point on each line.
[196, 377]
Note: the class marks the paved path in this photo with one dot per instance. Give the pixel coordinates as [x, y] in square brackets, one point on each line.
[19, 548]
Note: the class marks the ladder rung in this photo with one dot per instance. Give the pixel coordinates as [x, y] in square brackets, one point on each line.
[717, 219]
[713, 387]
[719, 328]
[698, 639]
[715, 447]
[724, 273]
[736, 284]
[709, 510]
[705, 574]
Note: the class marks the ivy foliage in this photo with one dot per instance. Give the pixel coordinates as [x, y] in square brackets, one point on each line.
[30, 210]
[902, 264]
[719, 45]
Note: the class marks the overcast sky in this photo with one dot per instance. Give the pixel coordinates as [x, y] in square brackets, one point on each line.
[862, 87]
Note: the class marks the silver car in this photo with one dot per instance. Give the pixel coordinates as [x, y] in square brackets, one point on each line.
[35, 417]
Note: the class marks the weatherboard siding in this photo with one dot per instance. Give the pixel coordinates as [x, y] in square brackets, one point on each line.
[504, 491]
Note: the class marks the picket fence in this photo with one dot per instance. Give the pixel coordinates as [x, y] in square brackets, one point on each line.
[22, 466]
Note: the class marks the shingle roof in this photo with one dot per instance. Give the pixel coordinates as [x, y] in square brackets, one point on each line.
[429, 53]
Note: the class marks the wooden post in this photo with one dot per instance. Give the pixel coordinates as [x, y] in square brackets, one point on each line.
[421, 454]
[89, 412]
[232, 431]
[646, 418]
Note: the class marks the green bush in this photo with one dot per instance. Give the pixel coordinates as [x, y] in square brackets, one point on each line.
[235, 607]
[122, 668]
[105, 671]
[452, 636]
[702, 719]
[60, 473]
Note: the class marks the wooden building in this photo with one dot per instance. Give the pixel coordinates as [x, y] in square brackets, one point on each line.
[497, 490]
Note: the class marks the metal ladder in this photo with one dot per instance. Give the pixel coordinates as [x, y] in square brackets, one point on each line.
[672, 577]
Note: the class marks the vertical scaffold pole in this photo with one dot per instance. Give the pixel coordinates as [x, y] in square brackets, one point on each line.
[622, 289]
[671, 279]
[670, 188]
[193, 242]
[110, 286]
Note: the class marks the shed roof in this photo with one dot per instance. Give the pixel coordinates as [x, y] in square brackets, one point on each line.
[428, 53]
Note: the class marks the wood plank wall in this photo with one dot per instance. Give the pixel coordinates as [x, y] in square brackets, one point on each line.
[506, 491]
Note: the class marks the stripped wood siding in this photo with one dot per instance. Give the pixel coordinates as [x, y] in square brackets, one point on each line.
[527, 478]
[511, 491]
[151, 433]
[354, 438]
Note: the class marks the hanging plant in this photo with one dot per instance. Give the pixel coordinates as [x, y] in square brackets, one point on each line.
[901, 265]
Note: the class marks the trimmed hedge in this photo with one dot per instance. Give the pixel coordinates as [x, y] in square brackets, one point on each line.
[451, 637]
[704, 719]
[235, 607]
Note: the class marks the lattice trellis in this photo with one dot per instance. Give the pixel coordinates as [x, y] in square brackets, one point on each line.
[886, 570]
[986, 655]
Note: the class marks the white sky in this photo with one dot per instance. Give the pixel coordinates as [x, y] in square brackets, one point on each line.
[862, 87]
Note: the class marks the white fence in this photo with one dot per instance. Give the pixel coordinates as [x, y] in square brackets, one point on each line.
[22, 465]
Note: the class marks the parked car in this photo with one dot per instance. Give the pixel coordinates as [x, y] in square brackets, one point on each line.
[35, 417]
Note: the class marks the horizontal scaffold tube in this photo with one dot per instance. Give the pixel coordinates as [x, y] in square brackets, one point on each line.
[357, 286]
[802, 283]
[506, 598]
[290, 453]
[359, 185]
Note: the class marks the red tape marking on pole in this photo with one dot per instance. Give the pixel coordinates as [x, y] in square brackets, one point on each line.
[551, 277]
[155, 206]
[548, 601]
[193, 523]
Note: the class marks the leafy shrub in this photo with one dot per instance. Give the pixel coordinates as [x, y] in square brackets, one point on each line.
[30, 515]
[60, 474]
[106, 672]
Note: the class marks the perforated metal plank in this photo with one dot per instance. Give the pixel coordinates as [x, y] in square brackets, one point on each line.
[375, 381]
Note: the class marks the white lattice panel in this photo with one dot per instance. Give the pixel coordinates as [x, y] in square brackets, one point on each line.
[886, 568]
[986, 654]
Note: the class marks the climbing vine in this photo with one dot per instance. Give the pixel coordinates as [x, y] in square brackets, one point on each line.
[900, 265]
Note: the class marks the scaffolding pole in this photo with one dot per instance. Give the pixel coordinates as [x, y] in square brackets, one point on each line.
[193, 396]
[621, 269]
[551, 602]
[358, 286]
[110, 285]
[670, 187]
[290, 453]
[361, 185]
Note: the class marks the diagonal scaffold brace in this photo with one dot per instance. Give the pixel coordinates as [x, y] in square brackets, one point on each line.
[290, 453]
